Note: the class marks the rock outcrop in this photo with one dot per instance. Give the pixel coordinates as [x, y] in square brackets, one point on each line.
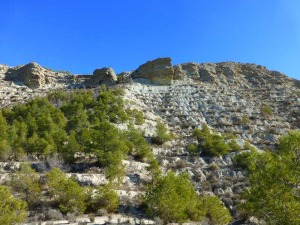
[242, 75]
[104, 75]
[34, 76]
[158, 71]
[161, 72]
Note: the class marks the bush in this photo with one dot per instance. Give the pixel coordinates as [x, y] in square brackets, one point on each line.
[5, 150]
[137, 115]
[174, 199]
[213, 166]
[274, 184]
[201, 134]
[233, 146]
[12, 210]
[139, 118]
[248, 146]
[213, 145]
[209, 143]
[65, 192]
[171, 198]
[26, 183]
[215, 210]
[154, 169]
[242, 160]
[162, 134]
[104, 198]
[139, 147]
[266, 111]
[192, 149]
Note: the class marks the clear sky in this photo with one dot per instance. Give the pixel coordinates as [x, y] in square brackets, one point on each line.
[81, 36]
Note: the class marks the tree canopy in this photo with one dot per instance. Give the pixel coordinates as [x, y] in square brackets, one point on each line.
[12, 210]
[174, 199]
[69, 122]
[274, 194]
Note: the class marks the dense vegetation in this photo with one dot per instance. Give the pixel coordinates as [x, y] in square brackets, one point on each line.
[54, 189]
[274, 178]
[162, 134]
[211, 144]
[174, 199]
[12, 210]
[68, 123]
[65, 124]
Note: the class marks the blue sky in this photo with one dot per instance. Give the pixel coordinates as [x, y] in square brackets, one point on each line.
[81, 36]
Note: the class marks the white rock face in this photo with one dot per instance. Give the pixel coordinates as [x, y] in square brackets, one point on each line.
[90, 179]
[227, 109]
[137, 168]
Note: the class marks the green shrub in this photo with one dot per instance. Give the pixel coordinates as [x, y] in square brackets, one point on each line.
[5, 150]
[137, 115]
[192, 149]
[171, 198]
[242, 160]
[213, 166]
[139, 147]
[104, 198]
[215, 210]
[139, 118]
[201, 134]
[174, 199]
[210, 144]
[233, 146]
[162, 134]
[266, 111]
[248, 146]
[274, 179]
[3, 127]
[213, 145]
[65, 192]
[26, 183]
[154, 169]
[12, 210]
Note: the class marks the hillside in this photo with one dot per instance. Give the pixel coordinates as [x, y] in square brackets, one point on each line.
[223, 95]
[244, 107]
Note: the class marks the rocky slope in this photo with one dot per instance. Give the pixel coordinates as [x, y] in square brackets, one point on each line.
[245, 100]
[230, 97]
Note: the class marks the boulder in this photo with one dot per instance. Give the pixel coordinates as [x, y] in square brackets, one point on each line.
[158, 71]
[104, 75]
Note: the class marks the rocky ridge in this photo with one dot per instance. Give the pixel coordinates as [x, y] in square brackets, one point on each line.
[229, 97]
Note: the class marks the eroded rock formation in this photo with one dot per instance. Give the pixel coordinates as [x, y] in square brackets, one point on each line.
[104, 75]
[159, 71]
